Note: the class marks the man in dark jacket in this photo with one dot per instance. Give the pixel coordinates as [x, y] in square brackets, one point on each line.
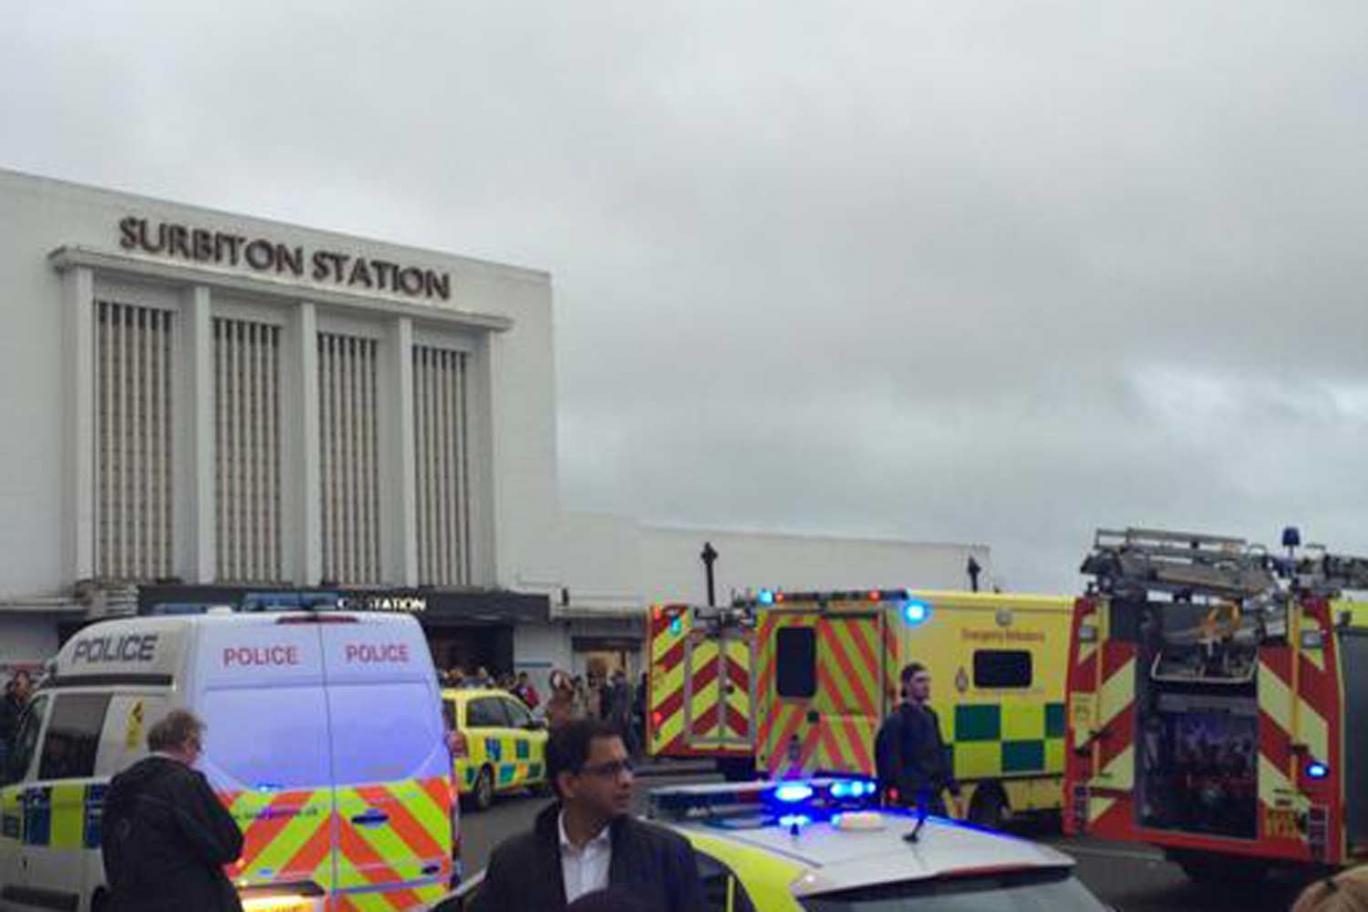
[165, 835]
[911, 753]
[17, 692]
[588, 841]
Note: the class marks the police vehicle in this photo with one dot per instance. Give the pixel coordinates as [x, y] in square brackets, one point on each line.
[823, 845]
[496, 744]
[324, 741]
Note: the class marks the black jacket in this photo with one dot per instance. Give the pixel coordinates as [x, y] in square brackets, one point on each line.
[658, 867]
[10, 711]
[921, 762]
[165, 838]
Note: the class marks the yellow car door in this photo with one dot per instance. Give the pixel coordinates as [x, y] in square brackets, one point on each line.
[528, 740]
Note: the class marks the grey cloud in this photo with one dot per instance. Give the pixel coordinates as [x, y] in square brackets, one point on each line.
[997, 272]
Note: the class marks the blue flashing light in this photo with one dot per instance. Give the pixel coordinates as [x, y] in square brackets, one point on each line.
[851, 788]
[795, 821]
[793, 792]
[677, 626]
[766, 597]
[1317, 770]
[916, 612]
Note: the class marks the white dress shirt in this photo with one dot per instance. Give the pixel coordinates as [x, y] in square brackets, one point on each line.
[584, 870]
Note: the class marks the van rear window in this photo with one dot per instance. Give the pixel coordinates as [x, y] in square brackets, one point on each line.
[386, 731]
[267, 737]
[73, 736]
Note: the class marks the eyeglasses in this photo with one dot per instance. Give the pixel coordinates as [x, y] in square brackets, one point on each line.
[610, 770]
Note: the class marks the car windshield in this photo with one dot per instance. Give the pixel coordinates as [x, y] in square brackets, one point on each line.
[1022, 891]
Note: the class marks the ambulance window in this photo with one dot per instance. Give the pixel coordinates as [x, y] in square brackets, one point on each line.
[486, 712]
[796, 675]
[26, 743]
[449, 714]
[1000, 668]
[518, 716]
[73, 736]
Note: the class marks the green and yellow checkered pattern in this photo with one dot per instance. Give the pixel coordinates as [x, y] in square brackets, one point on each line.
[992, 740]
[509, 756]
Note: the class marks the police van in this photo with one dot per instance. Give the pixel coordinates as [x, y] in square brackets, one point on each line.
[324, 740]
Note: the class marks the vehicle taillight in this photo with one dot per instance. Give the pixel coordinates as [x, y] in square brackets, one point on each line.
[456, 741]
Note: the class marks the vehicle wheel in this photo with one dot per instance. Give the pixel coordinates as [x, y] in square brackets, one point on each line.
[988, 808]
[483, 794]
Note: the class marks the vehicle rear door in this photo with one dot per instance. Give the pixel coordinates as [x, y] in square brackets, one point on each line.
[259, 688]
[717, 688]
[848, 701]
[390, 763]
[787, 691]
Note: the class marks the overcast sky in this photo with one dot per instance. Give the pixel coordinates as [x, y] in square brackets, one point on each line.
[955, 271]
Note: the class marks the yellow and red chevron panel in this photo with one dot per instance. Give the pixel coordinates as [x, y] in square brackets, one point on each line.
[718, 718]
[667, 628]
[377, 848]
[1100, 735]
[698, 685]
[848, 703]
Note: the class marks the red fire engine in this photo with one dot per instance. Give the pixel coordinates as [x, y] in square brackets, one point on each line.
[1218, 702]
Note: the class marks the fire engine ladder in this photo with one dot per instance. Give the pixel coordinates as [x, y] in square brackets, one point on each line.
[1180, 563]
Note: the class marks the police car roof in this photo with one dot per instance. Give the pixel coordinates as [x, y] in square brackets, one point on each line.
[843, 859]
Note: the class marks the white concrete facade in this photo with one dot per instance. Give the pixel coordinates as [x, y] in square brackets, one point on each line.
[656, 564]
[63, 248]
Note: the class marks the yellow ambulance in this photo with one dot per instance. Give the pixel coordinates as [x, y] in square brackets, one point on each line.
[826, 674]
[496, 744]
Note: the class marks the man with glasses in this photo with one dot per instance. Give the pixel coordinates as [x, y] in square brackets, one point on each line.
[588, 840]
[165, 835]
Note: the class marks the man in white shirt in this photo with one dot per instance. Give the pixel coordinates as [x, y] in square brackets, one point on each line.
[588, 840]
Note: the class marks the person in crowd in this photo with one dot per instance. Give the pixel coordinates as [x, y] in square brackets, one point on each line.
[618, 707]
[483, 678]
[165, 835]
[526, 691]
[17, 692]
[582, 708]
[1346, 891]
[639, 713]
[560, 706]
[588, 840]
[912, 761]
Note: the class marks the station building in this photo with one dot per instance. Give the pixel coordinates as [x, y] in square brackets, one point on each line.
[202, 408]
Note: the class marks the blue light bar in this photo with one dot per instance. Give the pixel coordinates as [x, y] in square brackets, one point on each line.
[766, 597]
[852, 788]
[1317, 770]
[676, 625]
[793, 792]
[916, 612]
[795, 821]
